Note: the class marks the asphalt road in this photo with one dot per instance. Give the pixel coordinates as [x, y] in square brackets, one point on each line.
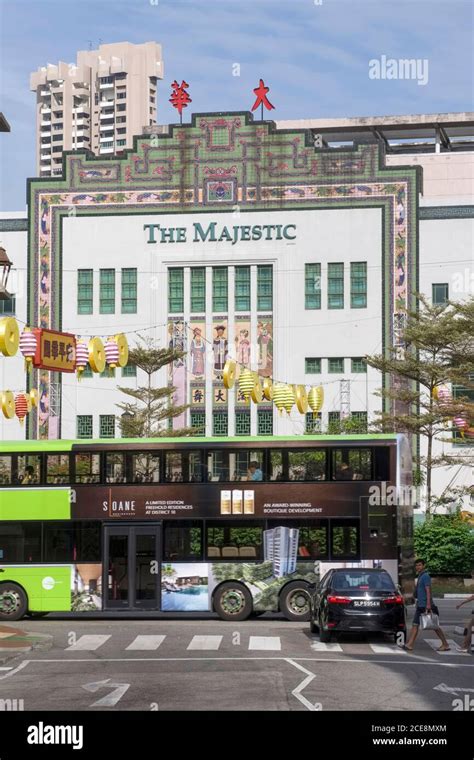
[203, 663]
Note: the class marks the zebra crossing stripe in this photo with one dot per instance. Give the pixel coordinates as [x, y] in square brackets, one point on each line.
[268, 643]
[387, 649]
[436, 643]
[208, 643]
[145, 643]
[319, 646]
[88, 643]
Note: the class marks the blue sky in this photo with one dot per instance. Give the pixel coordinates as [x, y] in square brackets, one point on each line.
[315, 57]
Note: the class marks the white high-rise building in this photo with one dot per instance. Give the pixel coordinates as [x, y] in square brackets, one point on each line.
[98, 103]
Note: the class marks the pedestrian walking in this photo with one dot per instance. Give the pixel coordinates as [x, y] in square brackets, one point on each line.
[424, 606]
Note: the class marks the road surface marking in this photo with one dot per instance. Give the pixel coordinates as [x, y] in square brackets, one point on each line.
[449, 689]
[15, 670]
[210, 643]
[436, 643]
[318, 646]
[272, 643]
[88, 643]
[297, 692]
[110, 700]
[145, 642]
[387, 649]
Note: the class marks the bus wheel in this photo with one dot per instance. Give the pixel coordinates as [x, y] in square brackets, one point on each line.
[232, 601]
[295, 601]
[13, 601]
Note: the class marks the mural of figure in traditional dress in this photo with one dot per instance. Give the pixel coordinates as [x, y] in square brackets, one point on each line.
[197, 352]
[265, 346]
[220, 348]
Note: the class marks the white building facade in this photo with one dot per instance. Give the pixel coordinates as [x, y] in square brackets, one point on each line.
[233, 238]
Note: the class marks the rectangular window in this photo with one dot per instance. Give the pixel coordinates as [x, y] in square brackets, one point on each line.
[440, 293]
[87, 371]
[87, 467]
[129, 291]
[335, 286]
[175, 291]
[242, 288]
[198, 289]
[73, 542]
[57, 469]
[358, 284]
[336, 365]
[174, 467]
[264, 422]
[351, 464]
[115, 467]
[145, 467]
[84, 426]
[29, 469]
[107, 291]
[264, 288]
[344, 540]
[308, 464]
[8, 306]
[312, 366]
[219, 289]
[198, 421]
[85, 291]
[242, 423]
[334, 423]
[312, 286]
[129, 370]
[5, 470]
[231, 541]
[106, 426]
[312, 540]
[220, 423]
[359, 420]
[20, 542]
[313, 422]
[358, 365]
[181, 543]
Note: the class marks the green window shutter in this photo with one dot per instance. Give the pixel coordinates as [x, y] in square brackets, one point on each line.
[312, 366]
[335, 286]
[220, 423]
[129, 291]
[219, 289]
[242, 423]
[358, 284]
[85, 279]
[107, 291]
[129, 370]
[175, 290]
[336, 366]
[242, 288]
[358, 365]
[106, 426]
[264, 288]
[312, 286]
[84, 425]
[264, 422]
[198, 421]
[440, 293]
[198, 289]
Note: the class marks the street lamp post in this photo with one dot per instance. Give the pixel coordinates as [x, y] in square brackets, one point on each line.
[5, 266]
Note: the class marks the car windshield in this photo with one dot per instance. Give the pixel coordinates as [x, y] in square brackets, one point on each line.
[360, 581]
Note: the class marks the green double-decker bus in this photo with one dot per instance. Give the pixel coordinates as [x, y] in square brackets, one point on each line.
[230, 525]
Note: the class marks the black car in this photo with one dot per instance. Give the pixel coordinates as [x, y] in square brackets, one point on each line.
[357, 600]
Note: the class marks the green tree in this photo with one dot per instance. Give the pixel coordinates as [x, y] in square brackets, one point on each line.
[438, 351]
[446, 543]
[148, 415]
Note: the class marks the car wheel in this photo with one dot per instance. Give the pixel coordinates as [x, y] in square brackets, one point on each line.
[295, 602]
[232, 601]
[13, 601]
[324, 636]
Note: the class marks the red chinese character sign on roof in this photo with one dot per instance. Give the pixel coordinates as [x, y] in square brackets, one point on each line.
[262, 100]
[179, 97]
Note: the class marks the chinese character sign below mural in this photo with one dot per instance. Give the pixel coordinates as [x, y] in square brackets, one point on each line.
[55, 351]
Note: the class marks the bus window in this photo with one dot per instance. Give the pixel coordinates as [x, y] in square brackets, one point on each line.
[72, 541]
[351, 464]
[231, 541]
[20, 542]
[5, 470]
[29, 469]
[308, 464]
[57, 469]
[182, 541]
[174, 467]
[381, 463]
[115, 467]
[218, 466]
[312, 537]
[276, 465]
[87, 468]
[344, 540]
[196, 467]
[145, 467]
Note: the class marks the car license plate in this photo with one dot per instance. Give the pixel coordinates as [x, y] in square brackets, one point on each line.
[365, 603]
